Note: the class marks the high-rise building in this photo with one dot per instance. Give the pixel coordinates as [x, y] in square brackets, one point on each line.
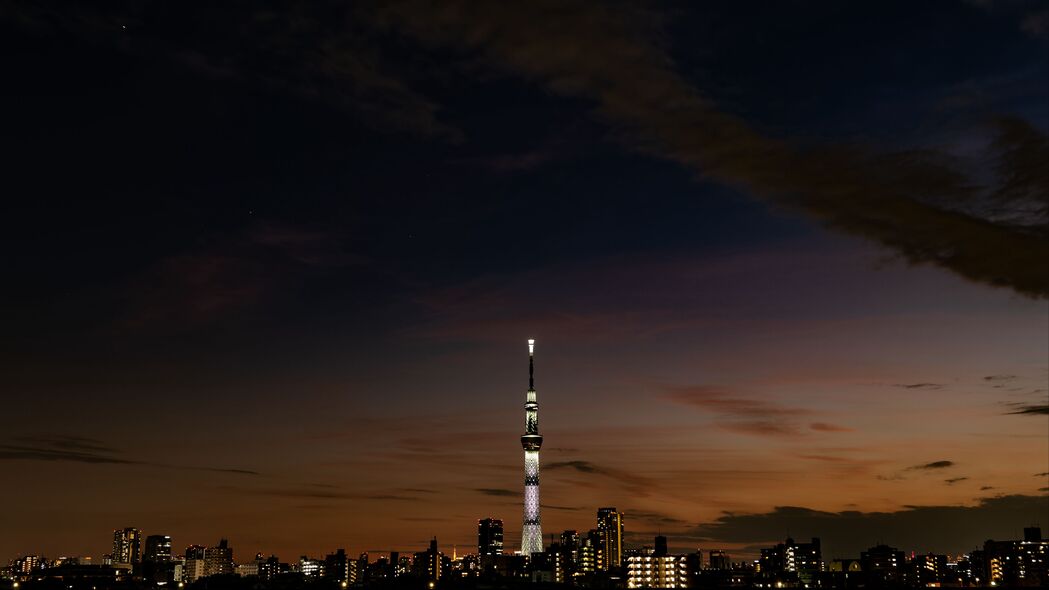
[1018, 563]
[645, 569]
[156, 559]
[661, 547]
[882, 564]
[219, 559]
[570, 547]
[311, 568]
[531, 441]
[789, 561]
[489, 537]
[26, 564]
[591, 553]
[428, 564]
[610, 523]
[337, 566]
[719, 560]
[158, 549]
[126, 545]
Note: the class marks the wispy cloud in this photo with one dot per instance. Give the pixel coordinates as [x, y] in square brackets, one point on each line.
[235, 272]
[632, 482]
[299, 493]
[1030, 409]
[79, 449]
[933, 465]
[746, 415]
[500, 492]
[825, 427]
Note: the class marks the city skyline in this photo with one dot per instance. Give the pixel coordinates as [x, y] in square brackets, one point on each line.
[269, 266]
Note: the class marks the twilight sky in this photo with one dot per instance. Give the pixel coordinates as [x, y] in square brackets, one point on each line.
[270, 268]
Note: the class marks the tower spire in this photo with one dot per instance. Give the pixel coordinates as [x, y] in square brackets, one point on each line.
[531, 364]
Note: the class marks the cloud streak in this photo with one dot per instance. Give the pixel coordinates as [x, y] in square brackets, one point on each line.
[78, 449]
[930, 466]
[846, 533]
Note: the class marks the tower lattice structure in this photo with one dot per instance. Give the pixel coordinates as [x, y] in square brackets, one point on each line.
[531, 440]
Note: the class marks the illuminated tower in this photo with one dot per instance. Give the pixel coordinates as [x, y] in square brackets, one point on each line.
[531, 440]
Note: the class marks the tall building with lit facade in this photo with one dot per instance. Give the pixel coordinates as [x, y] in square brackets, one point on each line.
[610, 523]
[790, 560]
[218, 560]
[489, 537]
[429, 564]
[531, 441]
[647, 569]
[1018, 563]
[126, 545]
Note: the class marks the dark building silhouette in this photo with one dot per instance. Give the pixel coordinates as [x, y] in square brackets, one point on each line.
[882, 564]
[489, 537]
[661, 547]
[927, 570]
[428, 564]
[156, 560]
[790, 561]
[337, 566]
[719, 560]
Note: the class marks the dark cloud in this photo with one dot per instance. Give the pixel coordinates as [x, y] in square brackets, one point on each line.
[77, 449]
[919, 203]
[1036, 24]
[1030, 409]
[985, 488]
[924, 205]
[761, 428]
[31, 453]
[1042, 474]
[323, 58]
[60, 441]
[845, 534]
[933, 465]
[825, 427]
[741, 414]
[318, 494]
[723, 402]
[582, 466]
[565, 508]
[497, 492]
[954, 480]
[234, 272]
[919, 385]
[634, 483]
[224, 470]
[651, 517]
[999, 378]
